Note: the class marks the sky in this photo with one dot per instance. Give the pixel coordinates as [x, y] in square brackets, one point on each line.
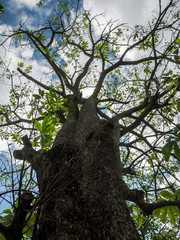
[132, 12]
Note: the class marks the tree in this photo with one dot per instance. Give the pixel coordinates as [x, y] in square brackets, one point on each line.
[95, 155]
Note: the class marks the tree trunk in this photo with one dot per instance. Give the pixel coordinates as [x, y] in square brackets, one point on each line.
[82, 192]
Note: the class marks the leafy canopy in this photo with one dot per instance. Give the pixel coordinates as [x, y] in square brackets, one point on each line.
[142, 92]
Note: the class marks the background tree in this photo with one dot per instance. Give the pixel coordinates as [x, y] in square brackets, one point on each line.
[85, 158]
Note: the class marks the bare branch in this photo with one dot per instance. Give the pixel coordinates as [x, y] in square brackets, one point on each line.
[60, 73]
[84, 72]
[128, 112]
[38, 83]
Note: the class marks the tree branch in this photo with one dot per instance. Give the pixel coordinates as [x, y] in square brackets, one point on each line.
[128, 112]
[137, 196]
[147, 59]
[112, 100]
[84, 72]
[60, 73]
[141, 116]
[28, 153]
[121, 62]
[128, 170]
[99, 84]
[37, 82]
[14, 230]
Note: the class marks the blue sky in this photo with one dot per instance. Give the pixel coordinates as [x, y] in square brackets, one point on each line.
[129, 11]
[132, 12]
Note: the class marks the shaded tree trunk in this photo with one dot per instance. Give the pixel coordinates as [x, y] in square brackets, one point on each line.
[81, 188]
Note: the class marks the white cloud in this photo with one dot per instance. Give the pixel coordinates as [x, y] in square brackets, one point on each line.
[27, 53]
[5, 29]
[29, 4]
[11, 56]
[132, 12]
[4, 92]
[23, 3]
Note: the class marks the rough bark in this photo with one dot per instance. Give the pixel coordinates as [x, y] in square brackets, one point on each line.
[82, 194]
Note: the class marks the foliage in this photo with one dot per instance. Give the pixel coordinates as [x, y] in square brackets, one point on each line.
[170, 211]
[143, 95]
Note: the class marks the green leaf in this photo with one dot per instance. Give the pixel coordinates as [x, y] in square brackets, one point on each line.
[46, 122]
[28, 69]
[1, 237]
[40, 3]
[177, 150]
[35, 143]
[147, 71]
[20, 64]
[7, 219]
[177, 193]
[177, 59]
[172, 214]
[140, 222]
[36, 96]
[46, 141]
[28, 229]
[166, 150]
[50, 128]
[37, 125]
[178, 105]
[156, 212]
[166, 194]
[7, 211]
[41, 92]
[137, 210]
[164, 212]
[64, 108]
[135, 217]
[177, 129]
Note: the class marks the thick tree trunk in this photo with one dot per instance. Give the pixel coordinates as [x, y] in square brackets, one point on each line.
[82, 192]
